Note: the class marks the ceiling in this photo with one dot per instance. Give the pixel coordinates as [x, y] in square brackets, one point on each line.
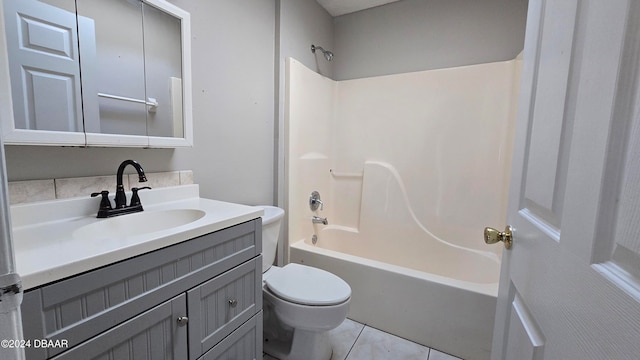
[341, 7]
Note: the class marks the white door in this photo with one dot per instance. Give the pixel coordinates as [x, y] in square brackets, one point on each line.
[570, 285]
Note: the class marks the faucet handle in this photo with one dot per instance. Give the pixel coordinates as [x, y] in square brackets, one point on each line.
[135, 199]
[105, 204]
[315, 202]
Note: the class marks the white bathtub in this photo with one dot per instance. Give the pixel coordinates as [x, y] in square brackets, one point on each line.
[450, 312]
[405, 279]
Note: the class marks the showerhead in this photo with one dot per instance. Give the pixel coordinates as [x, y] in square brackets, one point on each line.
[327, 54]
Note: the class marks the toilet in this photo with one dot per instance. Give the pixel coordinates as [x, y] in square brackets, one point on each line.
[300, 303]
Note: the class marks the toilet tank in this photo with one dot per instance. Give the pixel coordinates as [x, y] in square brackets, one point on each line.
[271, 224]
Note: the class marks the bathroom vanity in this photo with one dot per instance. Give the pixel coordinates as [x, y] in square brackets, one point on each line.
[190, 291]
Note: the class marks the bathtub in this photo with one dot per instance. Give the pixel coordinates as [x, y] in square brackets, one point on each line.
[407, 280]
[451, 312]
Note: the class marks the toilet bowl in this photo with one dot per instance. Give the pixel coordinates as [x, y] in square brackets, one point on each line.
[301, 303]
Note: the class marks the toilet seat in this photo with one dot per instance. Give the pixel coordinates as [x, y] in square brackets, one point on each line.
[308, 286]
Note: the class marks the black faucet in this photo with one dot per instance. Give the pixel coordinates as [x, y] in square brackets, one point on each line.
[121, 208]
[121, 198]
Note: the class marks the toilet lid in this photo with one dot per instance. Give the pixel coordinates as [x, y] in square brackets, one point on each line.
[308, 286]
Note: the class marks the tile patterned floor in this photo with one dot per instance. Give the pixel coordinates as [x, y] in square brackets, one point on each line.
[355, 341]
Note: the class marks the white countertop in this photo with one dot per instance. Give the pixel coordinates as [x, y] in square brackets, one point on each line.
[46, 249]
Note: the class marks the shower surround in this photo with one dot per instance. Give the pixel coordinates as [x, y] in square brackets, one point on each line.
[411, 168]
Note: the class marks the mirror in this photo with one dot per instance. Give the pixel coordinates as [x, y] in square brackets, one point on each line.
[112, 72]
[112, 54]
[163, 66]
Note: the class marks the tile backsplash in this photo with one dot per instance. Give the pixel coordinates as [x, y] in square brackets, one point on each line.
[32, 190]
[40, 190]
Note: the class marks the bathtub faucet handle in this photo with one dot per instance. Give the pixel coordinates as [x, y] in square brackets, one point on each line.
[315, 202]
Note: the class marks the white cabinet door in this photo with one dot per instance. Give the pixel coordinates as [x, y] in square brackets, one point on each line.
[570, 285]
[44, 66]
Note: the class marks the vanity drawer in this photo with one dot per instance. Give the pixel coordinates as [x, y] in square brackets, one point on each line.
[244, 343]
[86, 305]
[222, 304]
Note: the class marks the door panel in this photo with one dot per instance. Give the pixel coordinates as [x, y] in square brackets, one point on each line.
[551, 91]
[37, 35]
[50, 100]
[525, 341]
[621, 266]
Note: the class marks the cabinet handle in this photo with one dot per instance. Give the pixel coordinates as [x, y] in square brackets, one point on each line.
[233, 303]
[183, 320]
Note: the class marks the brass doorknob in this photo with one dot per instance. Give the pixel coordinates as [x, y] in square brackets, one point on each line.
[492, 236]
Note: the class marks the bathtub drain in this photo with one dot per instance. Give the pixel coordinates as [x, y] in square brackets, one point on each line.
[314, 239]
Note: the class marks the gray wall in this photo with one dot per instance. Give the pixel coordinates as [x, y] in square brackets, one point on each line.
[233, 105]
[414, 35]
[233, 99]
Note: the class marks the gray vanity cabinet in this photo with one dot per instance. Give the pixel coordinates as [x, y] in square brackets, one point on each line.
[198, 298]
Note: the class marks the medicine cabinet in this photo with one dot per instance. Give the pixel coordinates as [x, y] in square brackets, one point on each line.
[95, 73]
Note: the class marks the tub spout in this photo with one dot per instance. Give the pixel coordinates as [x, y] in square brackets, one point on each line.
[319, 220]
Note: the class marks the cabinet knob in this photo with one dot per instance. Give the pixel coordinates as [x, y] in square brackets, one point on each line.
[233, 303]
[183, 320]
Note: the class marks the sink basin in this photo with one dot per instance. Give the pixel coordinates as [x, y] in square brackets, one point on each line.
[137, 224]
